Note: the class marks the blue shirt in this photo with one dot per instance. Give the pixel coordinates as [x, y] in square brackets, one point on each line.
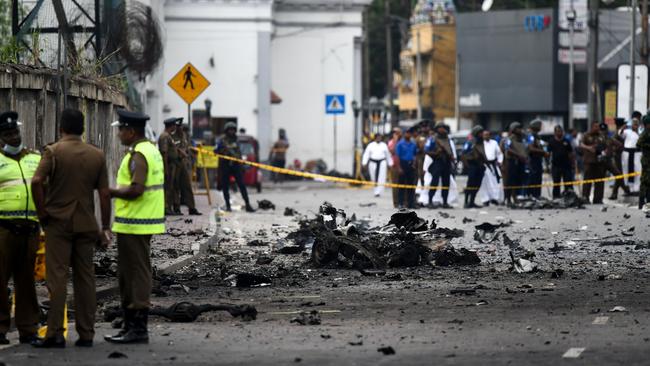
[406, 150]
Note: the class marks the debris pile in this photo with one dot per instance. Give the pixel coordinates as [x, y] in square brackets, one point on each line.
[406, 241]
[265, 205]
[569, 199]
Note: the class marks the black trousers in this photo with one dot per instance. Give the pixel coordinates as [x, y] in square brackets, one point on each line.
[535, 177]
[475, 173]
[228, 170]
[406, 196]
[440, 170]
[561, 173]
[516, 178]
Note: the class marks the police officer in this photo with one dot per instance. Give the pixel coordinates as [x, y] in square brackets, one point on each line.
[67, 212]
[18, 231]
[139, 214]
[228, 145]
[474, 156]
[536, 155]
[643, 144]
[440, 149]
[171, 160]
[516, 159]
[183, 184]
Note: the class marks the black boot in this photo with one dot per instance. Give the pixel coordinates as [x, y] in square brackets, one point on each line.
[249, 208]
[194, 212]
[52, 342]
[3, 339]
[137, 329]
[127, 323]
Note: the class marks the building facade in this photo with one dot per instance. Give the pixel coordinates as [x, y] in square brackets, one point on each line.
[510, 69]
[249, 50]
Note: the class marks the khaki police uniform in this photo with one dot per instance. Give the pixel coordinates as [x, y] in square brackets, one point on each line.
[73, 170]
[171, 159]
[183, 182]
[19, 232]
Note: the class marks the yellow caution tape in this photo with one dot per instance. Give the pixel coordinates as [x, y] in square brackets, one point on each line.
[397, 185]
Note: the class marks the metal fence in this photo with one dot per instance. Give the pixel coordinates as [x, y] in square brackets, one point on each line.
[35, 93]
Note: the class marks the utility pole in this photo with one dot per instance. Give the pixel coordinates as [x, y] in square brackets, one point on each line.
[632, 51]
[571, 17]
[64, 29]
[418, 74]
[592, 65]
[644, 31]
[389, 60]
[366, 63]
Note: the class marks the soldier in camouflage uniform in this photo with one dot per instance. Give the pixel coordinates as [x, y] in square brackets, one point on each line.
[644, 146]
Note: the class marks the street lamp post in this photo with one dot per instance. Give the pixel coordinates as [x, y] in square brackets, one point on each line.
[208, 107]
[632, 50]
[356, 109]
[571, 17]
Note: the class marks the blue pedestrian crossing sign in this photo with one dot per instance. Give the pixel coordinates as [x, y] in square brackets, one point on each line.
[334, 104]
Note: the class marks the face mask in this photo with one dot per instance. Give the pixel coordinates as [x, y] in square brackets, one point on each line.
[13, 150]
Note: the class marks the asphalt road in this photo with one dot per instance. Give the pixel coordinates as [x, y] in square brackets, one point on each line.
[520, 319]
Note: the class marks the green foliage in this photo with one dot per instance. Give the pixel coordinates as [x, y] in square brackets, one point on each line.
[5, 22]
[11, 51]
[377, 40]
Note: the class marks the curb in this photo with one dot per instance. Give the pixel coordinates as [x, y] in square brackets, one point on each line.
[171, 266]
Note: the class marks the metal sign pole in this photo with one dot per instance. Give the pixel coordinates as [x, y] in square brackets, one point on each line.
[335, 142]
[189, 121]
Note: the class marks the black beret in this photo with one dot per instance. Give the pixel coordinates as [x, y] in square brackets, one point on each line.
[9, 121]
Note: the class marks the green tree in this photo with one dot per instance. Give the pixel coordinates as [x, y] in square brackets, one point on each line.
[401, 11]
[5, 22]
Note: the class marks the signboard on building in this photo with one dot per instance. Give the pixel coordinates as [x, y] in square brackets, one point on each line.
[610, 106]
[579, 56]
[580, 39]
[623, 90]
[580, 110]
[582, 14]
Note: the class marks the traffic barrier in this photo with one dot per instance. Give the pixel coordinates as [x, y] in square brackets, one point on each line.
[397, 185]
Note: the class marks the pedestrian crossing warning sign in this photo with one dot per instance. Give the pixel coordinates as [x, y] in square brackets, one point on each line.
[188, 83]
[335, 104]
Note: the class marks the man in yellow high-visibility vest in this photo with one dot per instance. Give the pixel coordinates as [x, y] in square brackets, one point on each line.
[139, 214]
[19, 230]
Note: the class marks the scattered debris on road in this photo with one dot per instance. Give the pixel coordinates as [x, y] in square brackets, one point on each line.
[307, 318]
[265, 205]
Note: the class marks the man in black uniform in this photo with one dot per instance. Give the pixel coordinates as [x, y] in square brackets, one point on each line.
[229, 146]
[439, 148]
[474, 155]
[562, 160]
[536, 155]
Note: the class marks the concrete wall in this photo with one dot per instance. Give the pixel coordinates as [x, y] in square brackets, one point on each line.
[33, 93]
[313, 54]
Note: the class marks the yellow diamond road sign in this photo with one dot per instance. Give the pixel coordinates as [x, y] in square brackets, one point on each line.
[188, 83]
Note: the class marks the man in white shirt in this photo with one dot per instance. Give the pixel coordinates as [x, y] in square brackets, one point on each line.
[631, 157]
[491, 190]
[377, 158]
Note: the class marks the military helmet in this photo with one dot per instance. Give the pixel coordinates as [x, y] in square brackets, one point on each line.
[514, 125]
[477, 129]
[229, 125]
[536, 123]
